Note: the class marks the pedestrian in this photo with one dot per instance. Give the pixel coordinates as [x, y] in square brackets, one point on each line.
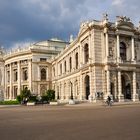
[109, 101]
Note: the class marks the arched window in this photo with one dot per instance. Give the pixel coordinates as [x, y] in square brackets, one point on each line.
[65, 66]
[53, 71]
[43, 74]
[76, 58]
[15, 75]
[70, 63]
[122, 51]
[60, 68]
[25, 74]
[86, 53]
[8, 76]
[71, 90]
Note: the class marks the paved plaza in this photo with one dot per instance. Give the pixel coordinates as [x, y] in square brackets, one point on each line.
[70, 122]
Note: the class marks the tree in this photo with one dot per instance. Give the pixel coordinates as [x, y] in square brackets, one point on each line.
[50, 94]
[25, 93]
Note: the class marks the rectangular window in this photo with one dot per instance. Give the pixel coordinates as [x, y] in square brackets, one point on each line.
[43, 59]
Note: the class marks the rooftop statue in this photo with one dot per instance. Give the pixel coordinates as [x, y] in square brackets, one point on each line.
[123, 19]
[105, 16]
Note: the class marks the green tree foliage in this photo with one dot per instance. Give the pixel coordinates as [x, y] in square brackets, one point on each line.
[50, 94]
[25, 93]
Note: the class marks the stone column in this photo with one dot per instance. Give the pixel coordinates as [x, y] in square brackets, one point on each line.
[19, 77]
[67, 64]
[81, 57]
[108, 82]
[81, 87]
[91, 96]
[118, 48]
[89, 48]
[62, 91]
[67, 90]
[55, 90]
[11, 92]
[135, 95]
[5, 75]
[38, 73]
[30, 74]
[115, 87]
[133, 49]
[107, 45]
[120, 95]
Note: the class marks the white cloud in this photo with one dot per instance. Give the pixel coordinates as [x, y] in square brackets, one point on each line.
[23, 44]
[43, 19]
[117, 2]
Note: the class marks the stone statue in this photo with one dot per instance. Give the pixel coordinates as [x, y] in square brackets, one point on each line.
[123, 19]
[105, 16]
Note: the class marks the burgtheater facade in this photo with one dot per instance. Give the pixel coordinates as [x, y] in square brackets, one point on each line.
[30, 67]
[103, 60]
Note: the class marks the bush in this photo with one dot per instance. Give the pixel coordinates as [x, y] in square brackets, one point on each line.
[44, 98]
[24, 94]
[19, 99]
[32, 98]
[9, 102]
[50, 94]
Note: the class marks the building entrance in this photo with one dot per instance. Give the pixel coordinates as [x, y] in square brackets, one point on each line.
[126, 88]
[87, 87]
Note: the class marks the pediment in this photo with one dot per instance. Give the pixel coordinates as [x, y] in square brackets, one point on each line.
[126, 25]
[83, 28]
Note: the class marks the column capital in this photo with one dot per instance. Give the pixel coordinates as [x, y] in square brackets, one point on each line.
[106, 30]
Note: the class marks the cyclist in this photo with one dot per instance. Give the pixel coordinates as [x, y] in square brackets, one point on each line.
[109, 101]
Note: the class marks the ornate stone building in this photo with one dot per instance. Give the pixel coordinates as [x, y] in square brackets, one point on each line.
[30, 67]
[103, 60]
[1, 75]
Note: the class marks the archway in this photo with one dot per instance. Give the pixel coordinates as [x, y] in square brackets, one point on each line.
[126, 87]
[71, 90]
[112, 90]
[86, 53]
[87, 87]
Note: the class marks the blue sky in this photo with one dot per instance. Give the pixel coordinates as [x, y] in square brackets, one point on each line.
[23, 21]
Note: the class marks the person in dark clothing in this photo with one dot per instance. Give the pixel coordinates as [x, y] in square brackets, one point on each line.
[109, 101]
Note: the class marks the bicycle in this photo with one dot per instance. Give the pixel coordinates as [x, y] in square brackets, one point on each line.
[107, 103]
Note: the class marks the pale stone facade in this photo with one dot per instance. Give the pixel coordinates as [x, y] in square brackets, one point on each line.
[1, 75]
[30, 67]
[104, 60]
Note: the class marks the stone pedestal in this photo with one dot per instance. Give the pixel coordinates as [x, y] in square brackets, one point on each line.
[121, 98]
[90, 97]
[135, 98]
[71, 102]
